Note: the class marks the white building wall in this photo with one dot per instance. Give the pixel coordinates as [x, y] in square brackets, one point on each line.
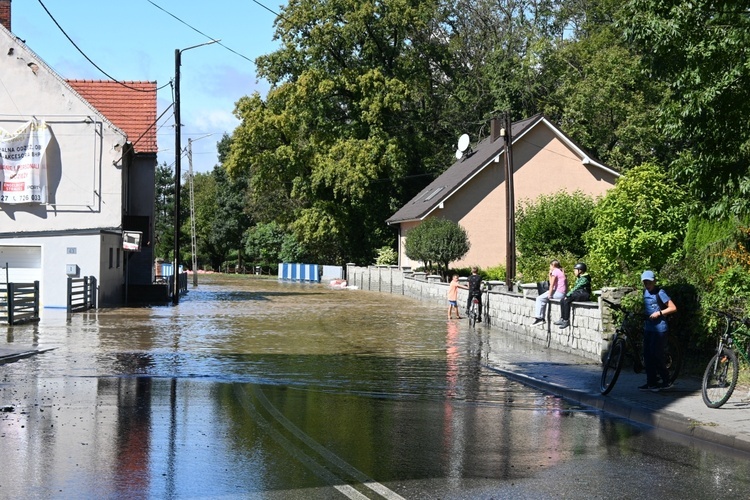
[84, 178]
[90, 253]
[83, 157]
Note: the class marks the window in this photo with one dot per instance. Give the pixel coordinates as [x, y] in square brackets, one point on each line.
[434, 193]
[118, 258]
[110, 258]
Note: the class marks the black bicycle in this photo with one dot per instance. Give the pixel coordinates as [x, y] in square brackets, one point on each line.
[474, 311]
[720, 377]
[486, 307]
[627, 340]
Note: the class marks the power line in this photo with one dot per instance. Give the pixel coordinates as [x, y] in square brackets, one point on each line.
[89, 59]
[268, 9]
[199, 31]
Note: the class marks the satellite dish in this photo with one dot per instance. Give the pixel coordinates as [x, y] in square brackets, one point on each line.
[463, 142]
[459, 154]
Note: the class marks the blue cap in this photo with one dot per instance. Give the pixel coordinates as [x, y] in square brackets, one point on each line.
[648, 276]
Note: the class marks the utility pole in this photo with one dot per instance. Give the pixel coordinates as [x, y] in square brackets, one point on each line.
[177, 174]
[193, 243]
[177, 169]
[510, 206]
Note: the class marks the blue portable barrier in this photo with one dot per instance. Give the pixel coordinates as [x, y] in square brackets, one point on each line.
[299, 272]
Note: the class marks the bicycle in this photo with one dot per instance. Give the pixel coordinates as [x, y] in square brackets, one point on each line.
[486, 307]
[473, 311]
[627, 340]
[720, 377]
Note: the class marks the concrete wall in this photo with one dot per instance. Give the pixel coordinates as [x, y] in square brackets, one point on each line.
[590, 324]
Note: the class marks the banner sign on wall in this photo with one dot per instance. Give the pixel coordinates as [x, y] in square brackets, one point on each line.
[23, 169]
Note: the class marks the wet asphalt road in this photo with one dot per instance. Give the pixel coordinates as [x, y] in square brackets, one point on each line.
[256, 389]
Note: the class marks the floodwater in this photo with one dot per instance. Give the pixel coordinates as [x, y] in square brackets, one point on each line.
[251, 388]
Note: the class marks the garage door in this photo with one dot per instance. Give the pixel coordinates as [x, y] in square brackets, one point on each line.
[24, 264]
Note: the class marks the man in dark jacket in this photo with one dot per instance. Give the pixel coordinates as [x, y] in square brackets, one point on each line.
[475, 290]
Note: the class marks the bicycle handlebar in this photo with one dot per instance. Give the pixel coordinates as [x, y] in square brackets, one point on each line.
[730, 317]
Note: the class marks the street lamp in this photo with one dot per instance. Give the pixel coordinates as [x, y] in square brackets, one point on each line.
[177, 168]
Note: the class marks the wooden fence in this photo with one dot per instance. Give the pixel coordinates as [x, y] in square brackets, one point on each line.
[19, 302]
[81, 294]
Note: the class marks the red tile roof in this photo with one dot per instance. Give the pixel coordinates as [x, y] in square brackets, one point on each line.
[131, 106]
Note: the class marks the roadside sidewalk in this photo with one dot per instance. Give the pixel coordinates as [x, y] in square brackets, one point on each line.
[10, 354]
[680, 409]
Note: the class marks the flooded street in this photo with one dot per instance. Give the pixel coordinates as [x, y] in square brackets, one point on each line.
[257, 389]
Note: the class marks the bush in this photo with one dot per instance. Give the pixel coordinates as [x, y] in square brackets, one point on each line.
[553, 224]
[387, 256]
[533, 268]
[496, 273]
[639, 224]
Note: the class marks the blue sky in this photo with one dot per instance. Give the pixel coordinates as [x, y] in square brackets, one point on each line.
[136, 40]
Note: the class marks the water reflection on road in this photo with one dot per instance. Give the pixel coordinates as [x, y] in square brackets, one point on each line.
[253, 388]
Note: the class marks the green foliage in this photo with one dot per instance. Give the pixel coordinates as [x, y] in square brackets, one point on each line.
[204, 191]
[230, 219]
[554, 224]
[437, 241]
[639, 224]
[164, 213]
[263, 243]
[533, 268]
[698, 48]
[347, 133]
[387, 256]
[709, 236]
[600, 97]
[496, 273]
[728, 284]
[292, 250]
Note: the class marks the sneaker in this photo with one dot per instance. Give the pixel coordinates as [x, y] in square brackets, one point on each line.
[558, 322]
[564, 325]
[655, 388]
[644, 387]
[666, 387]
[538, 320]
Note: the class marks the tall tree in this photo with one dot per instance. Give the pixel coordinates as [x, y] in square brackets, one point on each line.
[204, 189]
[164, 213]
[230, 219]
[699, 48]
[350, 128]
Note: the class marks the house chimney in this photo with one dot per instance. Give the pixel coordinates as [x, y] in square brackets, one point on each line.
[495, 128]
[5, 13]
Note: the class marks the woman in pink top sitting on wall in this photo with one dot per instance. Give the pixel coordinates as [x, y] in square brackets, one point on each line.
[558, 286]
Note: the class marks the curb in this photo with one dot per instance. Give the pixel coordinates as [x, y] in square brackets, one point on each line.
[11, 355]
[664, 420]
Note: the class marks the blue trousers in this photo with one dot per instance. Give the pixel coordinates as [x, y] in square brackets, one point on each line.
[654, 350]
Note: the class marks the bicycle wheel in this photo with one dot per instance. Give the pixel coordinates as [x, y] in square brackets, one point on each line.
[612, 365]
[673, 358]
[486, 309]
[720, 378]
[473, 315]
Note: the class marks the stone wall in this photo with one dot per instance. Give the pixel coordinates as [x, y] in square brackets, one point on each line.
[590, 324]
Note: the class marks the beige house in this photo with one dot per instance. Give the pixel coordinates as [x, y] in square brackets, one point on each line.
[472, 191]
